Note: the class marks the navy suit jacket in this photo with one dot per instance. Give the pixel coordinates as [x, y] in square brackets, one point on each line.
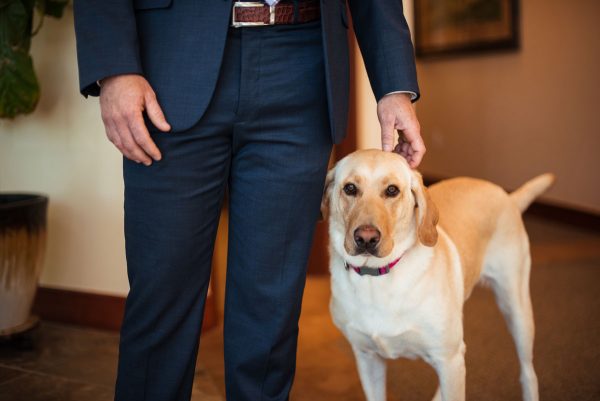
[177, 45]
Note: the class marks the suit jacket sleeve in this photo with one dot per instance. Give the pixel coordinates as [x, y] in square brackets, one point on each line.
[385, 43]
[107, 41]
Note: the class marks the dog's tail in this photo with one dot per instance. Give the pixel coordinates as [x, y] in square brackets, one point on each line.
[531, 190]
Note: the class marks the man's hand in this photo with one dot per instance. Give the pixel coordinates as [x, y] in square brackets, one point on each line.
[395, 112]
[123, 98]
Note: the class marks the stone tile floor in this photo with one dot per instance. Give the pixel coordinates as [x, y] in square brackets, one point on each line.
[63, 362]
[71, 363]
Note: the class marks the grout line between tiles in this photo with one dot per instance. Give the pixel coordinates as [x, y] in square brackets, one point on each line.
[35, 372]
[12, 379]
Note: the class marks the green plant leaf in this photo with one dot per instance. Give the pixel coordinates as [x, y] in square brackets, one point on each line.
[14, 25]
[4, 3]
[19, 88]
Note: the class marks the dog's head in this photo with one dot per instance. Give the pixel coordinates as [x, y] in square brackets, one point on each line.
[377, 207]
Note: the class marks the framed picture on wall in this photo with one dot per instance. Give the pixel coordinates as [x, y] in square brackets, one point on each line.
[444, 27]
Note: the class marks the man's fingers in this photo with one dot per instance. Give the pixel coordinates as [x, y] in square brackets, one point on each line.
[142, 137]
[130, 148]
[115, 133]
[418, 151]
[155, 112]
[416, 148]
[416, 157]
[112, 134]
[122, 101]
[406, 149]
[387, 135]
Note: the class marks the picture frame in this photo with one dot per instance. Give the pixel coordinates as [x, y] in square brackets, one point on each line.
[452, 27]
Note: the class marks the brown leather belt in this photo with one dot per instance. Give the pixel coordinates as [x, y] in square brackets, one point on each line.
[258, 13]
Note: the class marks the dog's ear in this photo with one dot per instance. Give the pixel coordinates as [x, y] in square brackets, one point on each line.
[326, 199]
[428, 215]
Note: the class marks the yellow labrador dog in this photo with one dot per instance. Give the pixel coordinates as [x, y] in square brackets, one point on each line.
[405, 258]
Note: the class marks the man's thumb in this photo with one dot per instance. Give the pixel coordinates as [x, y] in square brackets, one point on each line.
[155, 113]
[387, 137]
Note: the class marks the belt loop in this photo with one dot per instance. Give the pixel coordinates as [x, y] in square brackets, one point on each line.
[272, 14]
[296, 12]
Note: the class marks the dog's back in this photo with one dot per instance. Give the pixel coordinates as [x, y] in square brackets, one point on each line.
[473, 210]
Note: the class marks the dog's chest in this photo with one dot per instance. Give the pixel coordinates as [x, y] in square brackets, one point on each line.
[407, 344]
[393, 329]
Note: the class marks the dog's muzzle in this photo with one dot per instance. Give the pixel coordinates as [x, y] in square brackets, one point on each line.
[366, 239]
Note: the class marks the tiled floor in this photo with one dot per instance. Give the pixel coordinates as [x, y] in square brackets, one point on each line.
[78, 364]
[69, 363]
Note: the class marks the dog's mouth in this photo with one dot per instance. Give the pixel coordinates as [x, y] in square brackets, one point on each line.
[363, 251]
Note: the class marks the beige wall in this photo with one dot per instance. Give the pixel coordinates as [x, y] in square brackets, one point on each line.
[507, 117]
[61, 150]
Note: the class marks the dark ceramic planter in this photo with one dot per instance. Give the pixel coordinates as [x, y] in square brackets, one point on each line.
[22, 246]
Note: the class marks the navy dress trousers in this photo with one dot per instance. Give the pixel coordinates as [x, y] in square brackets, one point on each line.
[254, 112]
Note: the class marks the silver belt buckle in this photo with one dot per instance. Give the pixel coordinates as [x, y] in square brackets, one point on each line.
[238, 24]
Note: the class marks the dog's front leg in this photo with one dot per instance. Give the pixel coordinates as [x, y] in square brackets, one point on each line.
[371, 369]
[451, 374]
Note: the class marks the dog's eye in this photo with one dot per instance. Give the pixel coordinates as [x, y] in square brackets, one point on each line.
[350, 189]
[392, 191]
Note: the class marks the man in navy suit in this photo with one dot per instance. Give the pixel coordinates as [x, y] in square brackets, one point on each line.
[204, 95]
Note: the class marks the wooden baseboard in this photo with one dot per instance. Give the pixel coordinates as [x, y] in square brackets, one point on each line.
[94, 310]
[551, 211]
[566, 215]
[81, 308]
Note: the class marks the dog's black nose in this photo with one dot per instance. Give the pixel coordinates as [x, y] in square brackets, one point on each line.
[366, 237]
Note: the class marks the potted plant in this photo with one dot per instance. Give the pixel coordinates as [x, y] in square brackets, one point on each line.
[19, 88]
[22, 215]
[22, 244]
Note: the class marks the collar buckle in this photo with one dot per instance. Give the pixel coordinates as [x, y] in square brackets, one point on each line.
[372, 271]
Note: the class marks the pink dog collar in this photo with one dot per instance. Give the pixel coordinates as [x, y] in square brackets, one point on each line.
[373, 271]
